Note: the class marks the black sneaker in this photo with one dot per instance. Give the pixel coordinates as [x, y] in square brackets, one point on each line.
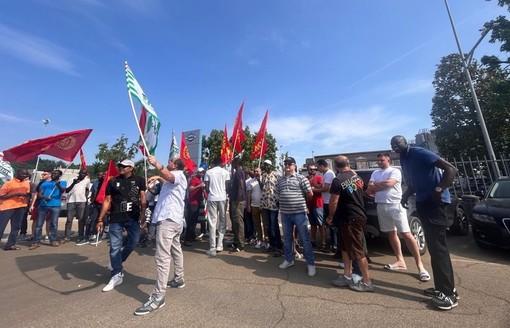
[176, 283]
[432, 292]
[234, 248]
[82, 242]
[151, 305]
[443, 302]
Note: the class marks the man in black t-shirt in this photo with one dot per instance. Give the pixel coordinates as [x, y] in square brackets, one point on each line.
[125, 197]
[347, 211]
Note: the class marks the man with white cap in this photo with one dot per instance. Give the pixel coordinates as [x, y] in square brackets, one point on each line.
[125, 198]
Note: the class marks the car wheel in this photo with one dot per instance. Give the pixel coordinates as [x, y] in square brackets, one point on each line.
[479, 242]
[418, 233]
[460, 224]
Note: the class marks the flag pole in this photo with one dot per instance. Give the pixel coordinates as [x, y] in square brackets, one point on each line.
[263, 141]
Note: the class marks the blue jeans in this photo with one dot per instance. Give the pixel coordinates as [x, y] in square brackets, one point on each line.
[298, 220]
[119, 254]
[273, 229]
[15, 215]
[41, 218]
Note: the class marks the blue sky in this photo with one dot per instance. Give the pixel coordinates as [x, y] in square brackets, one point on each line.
[336, 76]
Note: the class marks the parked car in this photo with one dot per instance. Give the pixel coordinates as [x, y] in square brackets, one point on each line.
[372, 228]
[63, 206]
[491, 216]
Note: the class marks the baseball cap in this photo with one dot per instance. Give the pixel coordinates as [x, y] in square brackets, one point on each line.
[127, 162]
[290, 160]
[200, 169]
[268, 162]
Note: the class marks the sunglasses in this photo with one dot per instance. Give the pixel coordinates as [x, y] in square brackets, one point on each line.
[122, 166]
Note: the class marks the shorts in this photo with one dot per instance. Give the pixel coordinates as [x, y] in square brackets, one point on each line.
[35, 213]
[392, 217]
[351, 241]
[316, 216]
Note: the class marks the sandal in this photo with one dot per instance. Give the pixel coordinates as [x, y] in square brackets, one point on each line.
[12, 248]
[424, 276]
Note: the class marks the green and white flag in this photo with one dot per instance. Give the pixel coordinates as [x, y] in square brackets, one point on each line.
[6, 171]
[149, 121]
[174, 149]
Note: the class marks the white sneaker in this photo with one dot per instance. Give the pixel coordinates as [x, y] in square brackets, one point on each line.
[311, 271]
[211, 252]
[286, 264]
[114, 281]
[259, 244]
[219, 249]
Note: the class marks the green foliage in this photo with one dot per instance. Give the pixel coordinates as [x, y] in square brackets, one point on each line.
[44, 165]
[214, 141]
[457, 126]
[117, 152]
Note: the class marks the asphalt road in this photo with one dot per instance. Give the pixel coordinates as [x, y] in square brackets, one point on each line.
[61, 287]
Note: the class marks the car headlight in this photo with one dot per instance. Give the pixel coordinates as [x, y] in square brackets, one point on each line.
[483, 217]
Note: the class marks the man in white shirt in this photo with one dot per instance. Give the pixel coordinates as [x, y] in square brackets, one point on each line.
[216, 186]
[386, 186]
[77, 197]
[169, 216]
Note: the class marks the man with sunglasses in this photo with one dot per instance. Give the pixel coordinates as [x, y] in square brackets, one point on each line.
[293, 190]
[125, 198]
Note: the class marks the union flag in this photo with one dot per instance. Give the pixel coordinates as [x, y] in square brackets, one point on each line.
[188, 162]
[226, 151]
[260, 144]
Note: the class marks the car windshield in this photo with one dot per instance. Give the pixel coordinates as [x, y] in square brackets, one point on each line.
[501, 189]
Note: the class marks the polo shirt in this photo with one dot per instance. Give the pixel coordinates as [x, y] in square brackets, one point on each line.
[291, 191]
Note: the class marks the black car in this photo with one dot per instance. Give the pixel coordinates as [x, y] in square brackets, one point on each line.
[372, 227]
[491, 216]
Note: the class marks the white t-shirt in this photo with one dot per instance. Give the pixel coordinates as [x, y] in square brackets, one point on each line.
[217, 177]
[79, 192]
[391, 195]
[327, 178]
[171, 199]
[256, 192]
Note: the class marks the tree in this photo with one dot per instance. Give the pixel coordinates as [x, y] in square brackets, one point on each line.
[117, 152]
[213, 143]
[453, 113]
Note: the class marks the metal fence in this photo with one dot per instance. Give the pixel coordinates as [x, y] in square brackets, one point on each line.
[476, 175]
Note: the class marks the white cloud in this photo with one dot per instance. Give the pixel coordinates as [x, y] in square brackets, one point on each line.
[35, 50]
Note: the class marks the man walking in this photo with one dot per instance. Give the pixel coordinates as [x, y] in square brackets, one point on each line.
[293, 190]
[386, 186]
[422, 167]
[216, 187]
[125, 198]
[169, 217]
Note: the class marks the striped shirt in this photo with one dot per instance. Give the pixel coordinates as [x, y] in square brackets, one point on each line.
[291, 192]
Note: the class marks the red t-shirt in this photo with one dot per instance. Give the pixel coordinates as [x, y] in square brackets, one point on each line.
[316, 201]
[195, 196]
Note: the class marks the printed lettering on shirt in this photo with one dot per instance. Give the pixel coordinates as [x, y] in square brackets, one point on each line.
[352, 184]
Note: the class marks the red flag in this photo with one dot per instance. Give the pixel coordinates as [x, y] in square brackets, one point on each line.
[82, 160]
[188, 162]
[238, 132]
[226, 151]
[64, 146]
[112, 172]
[260, 145]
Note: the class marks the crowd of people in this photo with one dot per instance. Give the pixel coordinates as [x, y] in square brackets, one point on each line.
[168, 206]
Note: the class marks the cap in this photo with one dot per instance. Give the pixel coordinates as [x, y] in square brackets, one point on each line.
[290, 160]
[200, 169]
[127, 162]
[268, 162]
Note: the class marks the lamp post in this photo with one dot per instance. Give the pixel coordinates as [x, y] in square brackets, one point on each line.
[46, 121]
[465, 62]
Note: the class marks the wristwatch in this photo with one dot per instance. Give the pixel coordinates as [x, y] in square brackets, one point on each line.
[438, 189]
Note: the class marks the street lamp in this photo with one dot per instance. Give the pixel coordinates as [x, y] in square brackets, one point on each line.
[479, 113]
[46, 121]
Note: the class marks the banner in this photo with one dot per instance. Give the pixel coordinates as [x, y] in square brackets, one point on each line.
[149, 125]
